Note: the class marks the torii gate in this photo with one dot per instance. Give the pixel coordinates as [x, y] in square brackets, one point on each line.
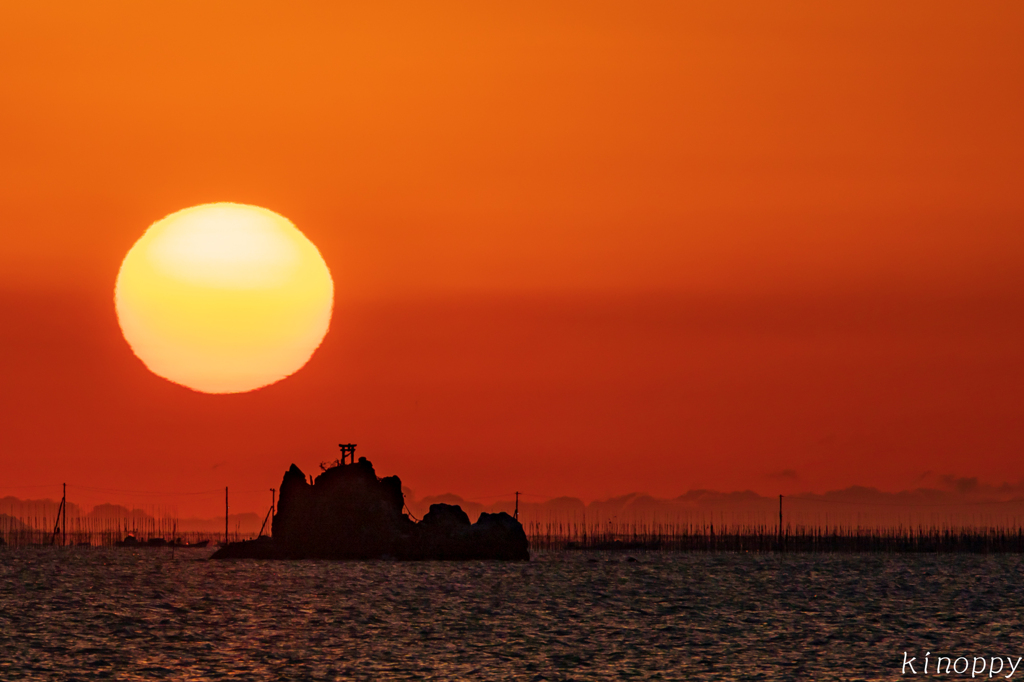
[348, 450]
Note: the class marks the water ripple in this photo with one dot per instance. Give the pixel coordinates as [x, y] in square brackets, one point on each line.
[120, 614]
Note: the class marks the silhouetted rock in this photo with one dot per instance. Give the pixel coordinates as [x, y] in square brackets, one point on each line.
[349, 513]
[499, 536]
[446, 517]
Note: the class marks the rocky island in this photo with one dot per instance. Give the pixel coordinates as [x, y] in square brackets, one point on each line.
[347, 512]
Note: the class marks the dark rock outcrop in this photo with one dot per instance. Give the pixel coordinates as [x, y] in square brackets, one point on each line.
[349, 513]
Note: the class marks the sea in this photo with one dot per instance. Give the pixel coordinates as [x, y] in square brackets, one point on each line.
[163, 614]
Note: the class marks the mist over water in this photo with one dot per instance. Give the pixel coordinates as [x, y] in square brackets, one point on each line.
[123, 614]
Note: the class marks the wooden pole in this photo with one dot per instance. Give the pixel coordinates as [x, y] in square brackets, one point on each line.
[270, 513]
[64, 518]
[225, 516]
[780, 522]
[515, 515]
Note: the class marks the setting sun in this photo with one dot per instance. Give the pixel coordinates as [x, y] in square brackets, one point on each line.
[224, 298]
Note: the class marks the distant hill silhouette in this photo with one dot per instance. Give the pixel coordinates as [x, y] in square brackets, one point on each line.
[247, 523]
[940, 500]
[947, 500]
[28, 509]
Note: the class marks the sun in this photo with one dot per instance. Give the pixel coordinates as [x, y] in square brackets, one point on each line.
[224, 298]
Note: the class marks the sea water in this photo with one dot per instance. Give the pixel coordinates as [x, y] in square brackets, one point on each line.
[84, 614]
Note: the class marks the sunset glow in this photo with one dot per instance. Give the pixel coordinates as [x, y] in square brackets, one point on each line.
[224, 298]
[580, 251]
[708, 315]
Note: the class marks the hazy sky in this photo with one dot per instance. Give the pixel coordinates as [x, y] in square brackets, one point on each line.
[581, 250]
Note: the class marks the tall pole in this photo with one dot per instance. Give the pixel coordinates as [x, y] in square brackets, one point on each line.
[516, 514]
[270, 514]
[64, 518]
[225, 516]
[780, 522]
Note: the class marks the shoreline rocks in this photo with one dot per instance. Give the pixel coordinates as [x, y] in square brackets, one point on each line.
[349, 513]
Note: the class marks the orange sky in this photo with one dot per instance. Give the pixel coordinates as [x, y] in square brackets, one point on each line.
[583, 249]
